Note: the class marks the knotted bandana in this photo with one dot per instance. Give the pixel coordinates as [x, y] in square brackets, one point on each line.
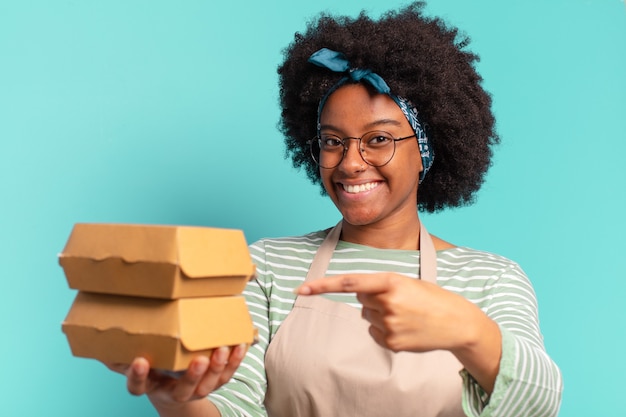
[337, 62]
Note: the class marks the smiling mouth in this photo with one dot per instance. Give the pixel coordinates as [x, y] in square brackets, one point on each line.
[355, 189]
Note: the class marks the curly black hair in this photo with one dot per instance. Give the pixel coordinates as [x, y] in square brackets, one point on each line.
[422, 59]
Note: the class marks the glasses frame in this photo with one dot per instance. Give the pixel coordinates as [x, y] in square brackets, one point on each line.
[344, 142]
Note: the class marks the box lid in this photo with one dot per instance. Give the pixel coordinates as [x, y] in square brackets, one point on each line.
[197, 251]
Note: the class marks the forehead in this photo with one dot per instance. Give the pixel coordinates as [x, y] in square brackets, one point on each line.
[356, 107]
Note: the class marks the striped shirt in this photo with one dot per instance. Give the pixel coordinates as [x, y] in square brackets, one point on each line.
[528, 383]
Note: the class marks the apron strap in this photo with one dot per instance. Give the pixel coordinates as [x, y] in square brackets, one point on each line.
[324, 254]
[428, 256]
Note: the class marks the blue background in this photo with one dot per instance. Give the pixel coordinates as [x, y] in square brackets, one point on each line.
[165, 112]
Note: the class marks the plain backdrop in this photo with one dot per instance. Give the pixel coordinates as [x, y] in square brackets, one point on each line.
[165, 112]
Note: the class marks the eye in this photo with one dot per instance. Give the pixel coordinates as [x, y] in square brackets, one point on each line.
[329, 142]
[377, 139]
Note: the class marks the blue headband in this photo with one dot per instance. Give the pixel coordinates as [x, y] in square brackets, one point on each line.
[337, 62]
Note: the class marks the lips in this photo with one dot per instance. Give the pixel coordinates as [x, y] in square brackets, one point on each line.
[359, 188]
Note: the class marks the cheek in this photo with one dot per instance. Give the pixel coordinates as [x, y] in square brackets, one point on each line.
[407, 170]
[326, 182]
[412, 161]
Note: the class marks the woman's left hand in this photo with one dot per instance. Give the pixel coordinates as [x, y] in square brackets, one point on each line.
[407, 314]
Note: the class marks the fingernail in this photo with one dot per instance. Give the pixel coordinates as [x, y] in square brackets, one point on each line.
[222, 355]
[302, 290]
[199, 367]
[240, 351]
[139, 369]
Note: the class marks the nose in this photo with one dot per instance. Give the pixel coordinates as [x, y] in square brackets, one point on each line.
[352, 160]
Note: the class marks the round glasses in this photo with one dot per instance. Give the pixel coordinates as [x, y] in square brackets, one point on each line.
[376, 148]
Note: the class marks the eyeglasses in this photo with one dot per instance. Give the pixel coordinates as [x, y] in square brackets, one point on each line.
[376, 148]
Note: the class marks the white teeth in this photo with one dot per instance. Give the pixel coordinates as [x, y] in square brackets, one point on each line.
[354, 189]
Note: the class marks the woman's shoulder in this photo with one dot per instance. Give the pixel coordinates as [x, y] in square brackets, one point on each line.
[467, 262]
[287, 255]
[307, 242]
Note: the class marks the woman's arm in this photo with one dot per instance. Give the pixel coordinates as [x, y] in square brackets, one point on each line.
[528, 382]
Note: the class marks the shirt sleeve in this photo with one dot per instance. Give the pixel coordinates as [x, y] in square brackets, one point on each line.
[244, 394]
[528, 383]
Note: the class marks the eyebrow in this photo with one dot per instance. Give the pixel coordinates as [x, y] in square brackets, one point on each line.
[376, 123]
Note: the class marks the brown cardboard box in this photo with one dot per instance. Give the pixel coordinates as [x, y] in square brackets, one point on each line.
[117, 329]
[166, 293]
[166, 262]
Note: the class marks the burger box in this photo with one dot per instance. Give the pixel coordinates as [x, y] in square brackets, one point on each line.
[166, 262]
[168, 333]
[166, 293]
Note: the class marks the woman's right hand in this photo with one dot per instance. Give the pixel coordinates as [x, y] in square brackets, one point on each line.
[203, 376]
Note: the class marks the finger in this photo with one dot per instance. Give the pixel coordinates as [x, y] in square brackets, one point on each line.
[137, 376]
[187, 384]
[120, 368]
[360, 283]
[379, 336]
[373, 301]
[211, 378]
[374, 318]
[365, 314]
[236, 356]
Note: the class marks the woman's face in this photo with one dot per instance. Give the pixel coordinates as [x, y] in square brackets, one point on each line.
[367, 195]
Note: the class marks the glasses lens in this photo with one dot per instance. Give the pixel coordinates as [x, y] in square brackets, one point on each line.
[377, 148]
[327, 151]
[315, 150]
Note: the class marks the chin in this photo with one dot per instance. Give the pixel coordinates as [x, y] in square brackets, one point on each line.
[359, 219]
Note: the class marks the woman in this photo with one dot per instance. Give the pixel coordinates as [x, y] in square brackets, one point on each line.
[375, 317]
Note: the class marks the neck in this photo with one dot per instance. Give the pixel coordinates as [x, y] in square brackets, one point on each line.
[391, 235]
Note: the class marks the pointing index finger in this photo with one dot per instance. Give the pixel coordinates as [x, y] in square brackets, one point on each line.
[357, 283]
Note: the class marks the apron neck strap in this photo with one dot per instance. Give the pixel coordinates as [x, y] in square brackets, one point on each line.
[428, 256]
[324, 254]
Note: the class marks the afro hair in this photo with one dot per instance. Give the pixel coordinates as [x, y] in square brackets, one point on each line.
[422, 59]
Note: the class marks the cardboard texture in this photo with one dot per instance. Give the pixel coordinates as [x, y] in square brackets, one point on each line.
[156, 261]
[165, 293]
[169, 333]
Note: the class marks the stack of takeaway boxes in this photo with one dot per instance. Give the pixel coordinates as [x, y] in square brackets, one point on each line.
[165, 293]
